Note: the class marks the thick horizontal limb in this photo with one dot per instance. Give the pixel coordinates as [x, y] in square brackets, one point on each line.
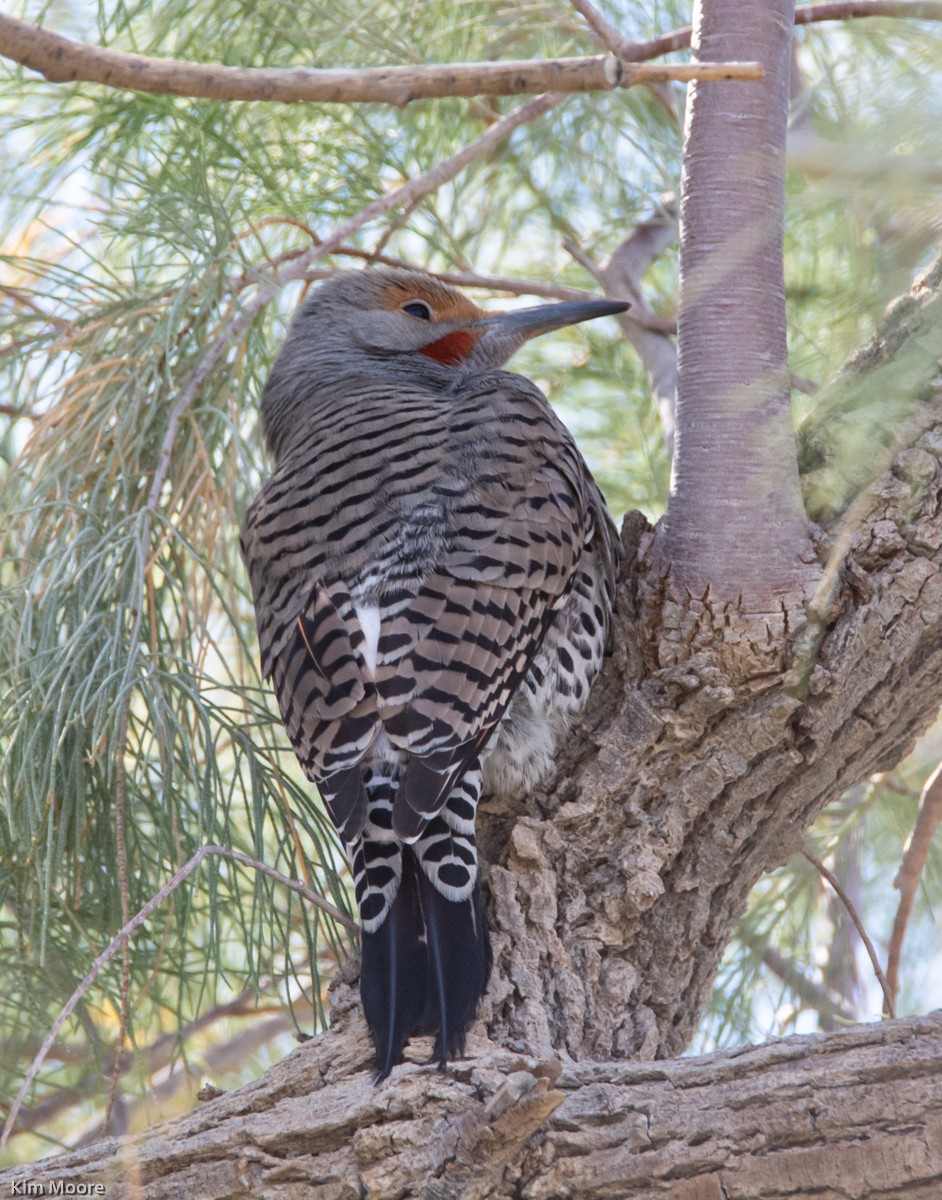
[850, 1116]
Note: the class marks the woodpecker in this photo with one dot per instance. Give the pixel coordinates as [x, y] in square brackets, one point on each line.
[433, 570]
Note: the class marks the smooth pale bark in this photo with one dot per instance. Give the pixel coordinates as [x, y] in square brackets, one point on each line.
[735, 528]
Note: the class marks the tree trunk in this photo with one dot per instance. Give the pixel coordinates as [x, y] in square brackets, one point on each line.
[735, 528]
[616, 890]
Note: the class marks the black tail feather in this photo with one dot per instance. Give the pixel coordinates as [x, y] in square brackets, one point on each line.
[393, 972]
[425, 969]
[459, 966]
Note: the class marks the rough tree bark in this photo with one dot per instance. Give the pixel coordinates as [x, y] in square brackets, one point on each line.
[615, 890]
[853, 1116]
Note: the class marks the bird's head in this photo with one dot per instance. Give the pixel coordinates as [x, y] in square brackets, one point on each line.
[384, 322]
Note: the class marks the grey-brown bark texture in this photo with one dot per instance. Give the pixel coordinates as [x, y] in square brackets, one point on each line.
[852, 1116]
[709, 746]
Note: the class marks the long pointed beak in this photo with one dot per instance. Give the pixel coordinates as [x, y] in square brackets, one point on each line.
[500, 336]
[523, 323]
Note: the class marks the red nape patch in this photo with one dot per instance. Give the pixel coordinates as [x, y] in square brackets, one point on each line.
[450, 350]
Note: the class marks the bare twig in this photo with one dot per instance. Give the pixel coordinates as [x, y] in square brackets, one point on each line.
[492, 283]
[274, 220]
[808, 14]
[649, 335]
[913, 10]
[294, 885]
[399, 221]
[154, 1057]
[10, 410]
[910, 871]
[517, 287]
[839, 968]
[60, 60]
[831, 1014]
[605, 33]
[611, 40]
[889, 1006]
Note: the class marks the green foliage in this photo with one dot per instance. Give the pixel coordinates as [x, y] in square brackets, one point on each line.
[138, 228]
[130, 690]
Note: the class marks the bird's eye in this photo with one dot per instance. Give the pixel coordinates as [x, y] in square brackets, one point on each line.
[418, 308]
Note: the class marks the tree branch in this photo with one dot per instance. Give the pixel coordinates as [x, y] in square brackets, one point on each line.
[62, 60]
[835, 883]
[151, 1058]
[650, 336]
[807, 14]
[854, 1114]
[611, 40]
[910, 872]
[845, 10]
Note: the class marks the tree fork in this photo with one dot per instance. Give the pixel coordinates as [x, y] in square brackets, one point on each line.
[616, 890]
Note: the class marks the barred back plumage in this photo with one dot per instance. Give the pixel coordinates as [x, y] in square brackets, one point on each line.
[433, 572]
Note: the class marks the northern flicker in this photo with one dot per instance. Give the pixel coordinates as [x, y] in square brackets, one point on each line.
[433, 570]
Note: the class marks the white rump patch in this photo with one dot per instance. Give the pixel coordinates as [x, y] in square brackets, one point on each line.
[368, 616]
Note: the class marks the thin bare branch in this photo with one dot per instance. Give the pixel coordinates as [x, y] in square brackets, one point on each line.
[154, 1057]
[649, 335]
[831, 1014]
[11, 410]
[492, 283]
[913, 10]
[807, 14]
[224, 1056]
[62, 60]
[605, 33]
[611, 40]
[910, 871]
[889, 1006]
[121, 937]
